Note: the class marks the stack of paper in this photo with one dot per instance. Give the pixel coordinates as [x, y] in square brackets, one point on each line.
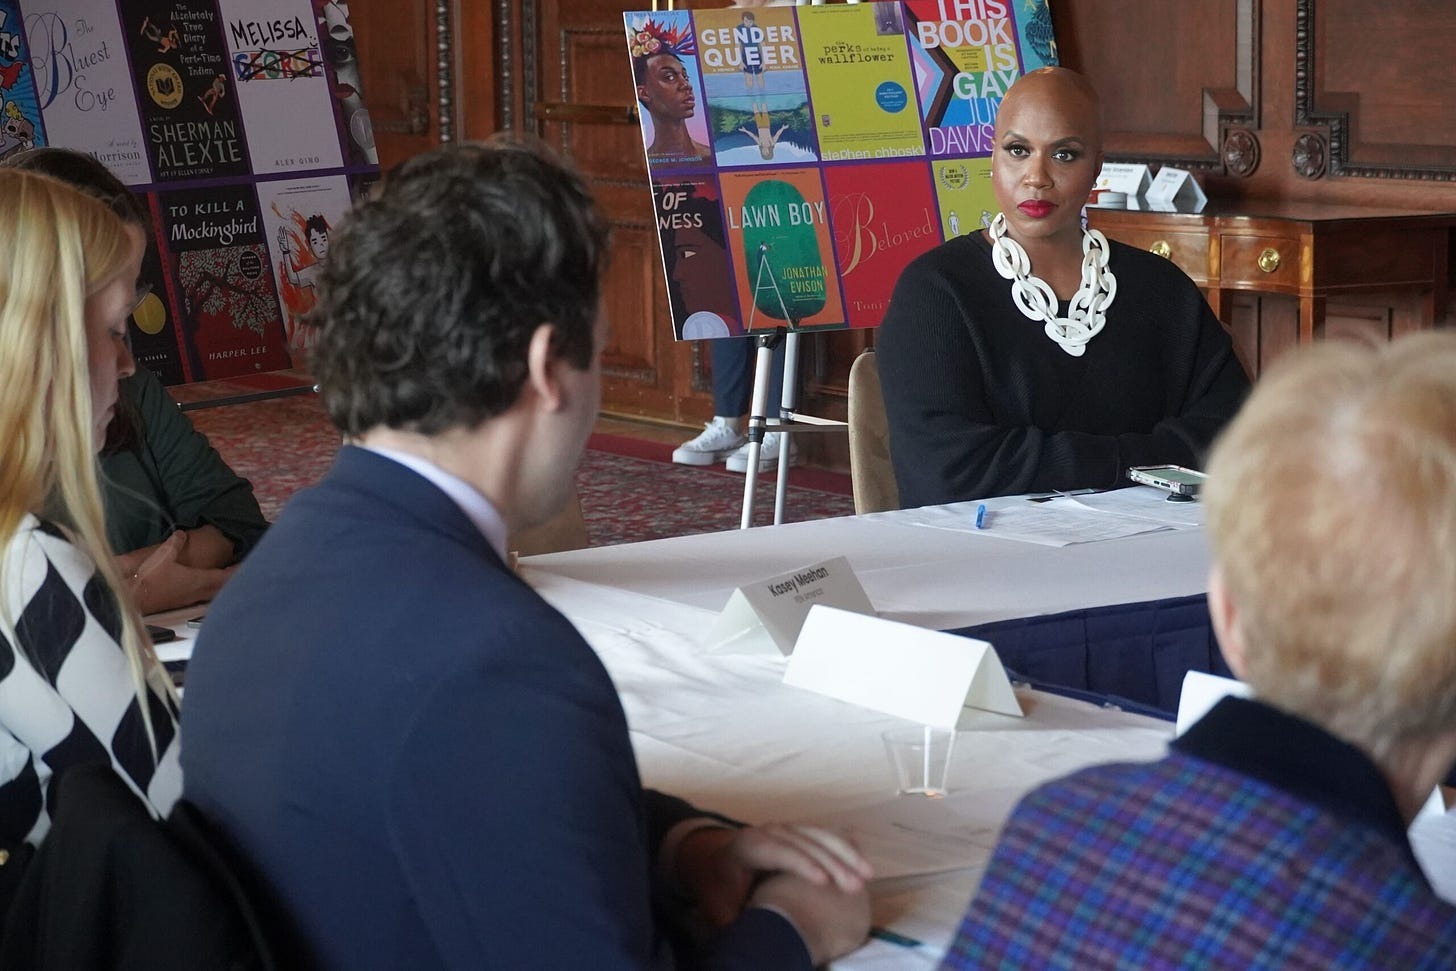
[1065, 520]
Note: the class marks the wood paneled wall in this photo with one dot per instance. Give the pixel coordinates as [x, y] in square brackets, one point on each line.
[1336, 101]
[1341, 101]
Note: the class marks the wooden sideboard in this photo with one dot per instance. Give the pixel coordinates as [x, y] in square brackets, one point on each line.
[1308, 251]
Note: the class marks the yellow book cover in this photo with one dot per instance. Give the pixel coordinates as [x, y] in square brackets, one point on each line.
[858, 62]
[963, 189]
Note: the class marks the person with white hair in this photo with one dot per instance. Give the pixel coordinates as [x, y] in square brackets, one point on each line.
[1274, 832]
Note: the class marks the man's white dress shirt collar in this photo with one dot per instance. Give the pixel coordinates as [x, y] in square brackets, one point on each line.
[475, 506]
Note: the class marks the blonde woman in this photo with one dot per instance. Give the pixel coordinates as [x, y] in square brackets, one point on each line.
[78, 680]
[177, 517]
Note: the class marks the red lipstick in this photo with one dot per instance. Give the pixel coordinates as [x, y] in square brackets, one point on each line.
[1037, 208]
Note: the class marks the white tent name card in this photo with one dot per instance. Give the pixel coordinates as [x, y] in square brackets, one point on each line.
[923, 675]
[1126, 179]
[765, 617]
[1176, 190]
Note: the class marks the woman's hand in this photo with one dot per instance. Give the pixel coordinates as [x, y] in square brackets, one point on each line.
[166, 577]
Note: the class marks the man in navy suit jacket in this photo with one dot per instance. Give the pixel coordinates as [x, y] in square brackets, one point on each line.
[425, 763]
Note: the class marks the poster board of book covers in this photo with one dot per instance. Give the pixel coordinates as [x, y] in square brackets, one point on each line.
[240, 126]
[800, 157]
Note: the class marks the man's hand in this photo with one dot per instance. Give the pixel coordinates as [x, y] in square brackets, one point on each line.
[718, 867]
[831, 920]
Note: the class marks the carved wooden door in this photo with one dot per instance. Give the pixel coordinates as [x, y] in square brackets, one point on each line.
[560, 69]
[576, 65]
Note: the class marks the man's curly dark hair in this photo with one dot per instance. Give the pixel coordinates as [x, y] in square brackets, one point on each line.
[434, 286]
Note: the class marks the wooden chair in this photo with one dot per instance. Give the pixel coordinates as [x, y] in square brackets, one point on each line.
[870, 471]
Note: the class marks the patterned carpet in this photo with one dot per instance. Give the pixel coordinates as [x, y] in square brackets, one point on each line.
[629, 489]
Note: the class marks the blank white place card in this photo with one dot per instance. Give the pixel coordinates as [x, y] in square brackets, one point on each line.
[924, 675]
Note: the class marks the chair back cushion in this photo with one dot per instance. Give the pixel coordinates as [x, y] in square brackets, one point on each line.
[871, 474]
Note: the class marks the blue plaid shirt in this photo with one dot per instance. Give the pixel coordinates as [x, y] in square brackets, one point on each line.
[1259, 842]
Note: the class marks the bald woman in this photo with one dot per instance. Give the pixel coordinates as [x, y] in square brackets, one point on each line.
[1037, 355]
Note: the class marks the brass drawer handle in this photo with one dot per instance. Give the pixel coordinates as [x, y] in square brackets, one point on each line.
[1269, 260]
[1161, 248]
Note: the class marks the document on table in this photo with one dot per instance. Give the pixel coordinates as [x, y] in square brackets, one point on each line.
[174, 651]
[1144, 502]
[1060, 521]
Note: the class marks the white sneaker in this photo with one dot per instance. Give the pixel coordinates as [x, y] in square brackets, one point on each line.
[719, 439]
[768, 455]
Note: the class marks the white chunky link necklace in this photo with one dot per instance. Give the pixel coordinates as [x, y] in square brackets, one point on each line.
[1087, 310]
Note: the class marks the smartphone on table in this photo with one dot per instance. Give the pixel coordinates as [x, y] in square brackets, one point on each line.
[1180, 483]
[161, 635]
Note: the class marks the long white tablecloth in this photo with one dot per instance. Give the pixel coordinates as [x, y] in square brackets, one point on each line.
[724, 732]
[937, 578]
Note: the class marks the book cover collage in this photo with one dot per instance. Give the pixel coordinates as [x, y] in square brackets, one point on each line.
[801, 157]
[241, 127]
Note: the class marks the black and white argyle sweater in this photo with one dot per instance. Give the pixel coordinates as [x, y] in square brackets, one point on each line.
[66, 693]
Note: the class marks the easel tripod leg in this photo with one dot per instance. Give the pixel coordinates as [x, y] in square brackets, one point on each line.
[758, 420]
[789, 404]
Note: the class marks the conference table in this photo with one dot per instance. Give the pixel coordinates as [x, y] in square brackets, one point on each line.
[940, 578]
[723, 730]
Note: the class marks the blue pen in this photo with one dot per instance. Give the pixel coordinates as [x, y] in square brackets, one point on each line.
[981, 516]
